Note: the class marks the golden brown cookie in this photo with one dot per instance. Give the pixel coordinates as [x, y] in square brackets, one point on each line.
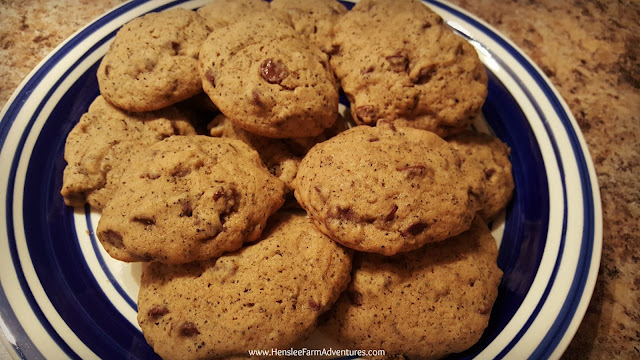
[491, 156]
[266, 295]
[103, 143]
[189, 198]
[153, 61]
[267, 80]
[414, 71]
[423, 304]
[313, 19]
[387, 189]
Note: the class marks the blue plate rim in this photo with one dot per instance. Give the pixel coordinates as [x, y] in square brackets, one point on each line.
[582, 285]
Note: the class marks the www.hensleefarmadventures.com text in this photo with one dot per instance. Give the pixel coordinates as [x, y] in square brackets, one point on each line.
[315, 352]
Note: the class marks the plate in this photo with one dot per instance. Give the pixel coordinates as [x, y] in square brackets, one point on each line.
[62, 296]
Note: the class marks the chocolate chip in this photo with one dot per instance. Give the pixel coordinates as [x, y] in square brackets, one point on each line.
[112, 237]
[489, 172]
[367, 70]
[314, 305]
[188, 329]
[374, 139]
[424, 76]
[391, 213]
[158, 311]
[144, 221]
[185, 208]
[485, 309]
[175, 46]
[210, 78]
[218, 194]
[181, 172]
[273, 71]
[418, 167]
[346, 214]
[335, 49]
[150, 176]
[106, 70]
[416, 170]
[415, 229]
[255, 99]
[389, 124]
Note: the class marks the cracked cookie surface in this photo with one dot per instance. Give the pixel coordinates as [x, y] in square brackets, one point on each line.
[189, 198]
[266, 295]
[387, 189]
[153, 61]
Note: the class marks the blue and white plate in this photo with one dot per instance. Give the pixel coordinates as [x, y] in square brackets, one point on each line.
[62, 296]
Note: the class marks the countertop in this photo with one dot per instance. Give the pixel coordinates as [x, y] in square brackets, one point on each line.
[590, 51]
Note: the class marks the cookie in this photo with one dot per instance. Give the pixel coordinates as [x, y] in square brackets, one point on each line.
[491, 156]
[103, 143]
[422, 304]
[267, 80]
[276, 155]
[220, 13]
[314, 19]
[415, 71]
[266, 295]
[153, 61]
[189, 198]
[387, 189]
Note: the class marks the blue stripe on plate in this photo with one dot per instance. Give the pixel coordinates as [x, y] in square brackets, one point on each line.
[556, 151]
[17, 332]
[6, 126]
[8, 120]
[526, 225]
[569, 308]
[96, 248]
[576, 291]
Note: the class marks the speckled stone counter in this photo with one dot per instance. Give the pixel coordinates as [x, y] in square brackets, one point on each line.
[589, 49]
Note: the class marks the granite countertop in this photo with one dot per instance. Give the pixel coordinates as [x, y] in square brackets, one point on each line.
[589, 50]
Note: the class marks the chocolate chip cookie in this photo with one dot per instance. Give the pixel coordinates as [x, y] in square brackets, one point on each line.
[103, 143]
[414, 71]
[423, 304]
[387, 189]
[189, 198]
[268, 80]
[266, 295]
[491, 156]
[153, 61]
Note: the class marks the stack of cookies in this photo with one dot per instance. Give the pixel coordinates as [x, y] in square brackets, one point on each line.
[218, 156]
